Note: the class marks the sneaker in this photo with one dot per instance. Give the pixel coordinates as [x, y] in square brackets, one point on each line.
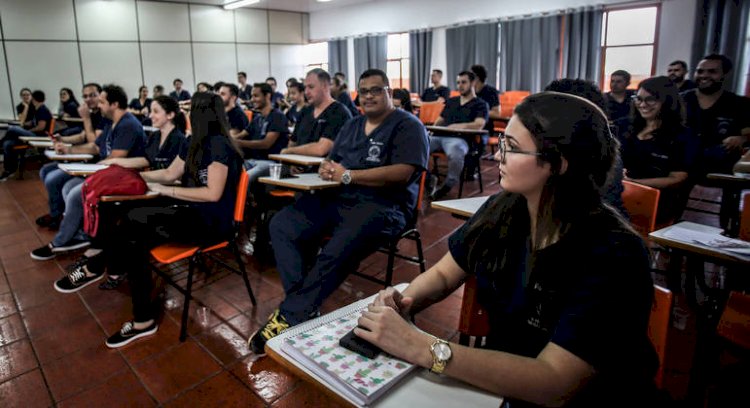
[82, 260]
[275, 325]
[6, 175]
[76, 280]
[44, 253]
[441, 192]
[112, 282]
[129, 333]
[71, 245]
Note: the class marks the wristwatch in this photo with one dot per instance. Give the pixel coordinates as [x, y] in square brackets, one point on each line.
[441, 354]
[346, 178]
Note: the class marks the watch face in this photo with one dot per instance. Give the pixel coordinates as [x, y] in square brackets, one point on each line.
[442, 351]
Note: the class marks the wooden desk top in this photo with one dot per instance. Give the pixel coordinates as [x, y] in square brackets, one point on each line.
[679, 236]
[298, 159]
[304, 181]
[117, 198]
[28, 139]
[741, 179]
[81, 169]
[79, 120]
[67, 157]
[445, 130]
[462, 207]
[45, 143]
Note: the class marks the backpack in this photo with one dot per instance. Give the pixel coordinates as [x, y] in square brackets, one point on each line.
[114, 180]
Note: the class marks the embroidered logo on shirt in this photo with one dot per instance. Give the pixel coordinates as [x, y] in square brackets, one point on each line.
[373, 153]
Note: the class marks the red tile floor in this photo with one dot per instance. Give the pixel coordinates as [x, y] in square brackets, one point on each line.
[52, 348]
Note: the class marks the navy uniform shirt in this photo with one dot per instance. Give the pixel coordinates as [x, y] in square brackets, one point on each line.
[687, 85]
[293, 114]
[454, 112]
[346, 100]
[310, 129]
[237, 119]
[41, 114]
[136, 104]
[432, 94]
[668, 150]
[71, 108]
[182, 96]
[160, 157]
[260, 126]
[127, 135]
[245, 93]
[275, 97]
[400, 139]
[617, 110]
[489, 95]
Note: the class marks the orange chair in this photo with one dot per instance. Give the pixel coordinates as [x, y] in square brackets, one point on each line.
[744, 233]
[473, 320]
[454, 94]
[249, 115]
[170, 253]
[641, 202]
[508, 102]
[353, 94]
[734, 324]
[429, 112]
[658, 327]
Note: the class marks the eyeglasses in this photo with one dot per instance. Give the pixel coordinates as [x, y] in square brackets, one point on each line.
[648, 100]
[504, 149]
[374, 91]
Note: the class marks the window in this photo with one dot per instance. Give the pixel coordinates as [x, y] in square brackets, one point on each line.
[315, 55]
[398, 60]
[629, 43]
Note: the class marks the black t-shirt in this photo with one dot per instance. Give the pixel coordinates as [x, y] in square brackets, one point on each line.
[726, 117]
[41, 114]
[432, 94]
[260, 126]
[489, 95]
[71, 108]
[590, 293]
[160, 157]
[310, 129]
[182, 96]
[98, 121]
[454, 112]
[275, 97]
[668, 150]
[400, 139]
[29, 113]
[237, 119]
[136, 104]
[293, 114]
[217, 215]
[618, 110]
[245, 93]
[127, 135]
[346, 100]
[686, 86]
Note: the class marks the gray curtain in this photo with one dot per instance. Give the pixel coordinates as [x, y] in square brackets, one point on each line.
[420, 53]
[337, 56]
[582, 45]
[721, 27]
[470, 45]
[370, 52]
[530, 53]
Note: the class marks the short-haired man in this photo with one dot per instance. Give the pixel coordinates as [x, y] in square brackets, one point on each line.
[179, 94]
[236, 115]
[378, 158]
[340, 92]
[245, 90]
[465, 111]
[38, 124]
[677, 71]
[619, 98]
[122, 136]
[437, 92]
[276, 96]
[321, 120]
[340, 75]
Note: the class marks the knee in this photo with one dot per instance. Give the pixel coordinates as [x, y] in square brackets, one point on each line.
[282, 225]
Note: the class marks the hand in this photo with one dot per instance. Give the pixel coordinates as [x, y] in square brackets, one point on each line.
[733, 142]
[385, 328]
[60, 147]
[83, 110]
[296, 170]
[330, 170]
[113, 160]
[159, 188]
[392, 298]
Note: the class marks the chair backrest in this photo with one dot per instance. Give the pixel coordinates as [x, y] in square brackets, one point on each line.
[454, 94]
[745, 219]
[249, 115]
[734, 324]
[641, 202]
[353, 94]
[239, 203]
[509, 100]
[429, 112]
[420, 195]
[51, 128]
[658, 327]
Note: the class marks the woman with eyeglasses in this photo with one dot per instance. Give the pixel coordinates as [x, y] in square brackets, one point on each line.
[564, 279]
[657, 148]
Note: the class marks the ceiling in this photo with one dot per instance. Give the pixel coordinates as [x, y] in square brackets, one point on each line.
[304, 6]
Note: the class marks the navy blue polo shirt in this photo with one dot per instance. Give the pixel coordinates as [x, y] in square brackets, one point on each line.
[260, 126]
[617, 110]
[400, 139]
[42, 114]
[127, 135]
[237, 119]
[432, 94]
[137, 105]
[160, 157]
[275, 97]
[182, 96]
[346, 100]
[246, 93]
[454, 112]
[310, 129]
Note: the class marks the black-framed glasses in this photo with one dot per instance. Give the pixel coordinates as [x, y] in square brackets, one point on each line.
[504, 149]
[648, 100]
[374, 91]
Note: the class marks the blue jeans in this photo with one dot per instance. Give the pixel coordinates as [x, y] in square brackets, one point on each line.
[9, 142]
[258, 169]
[54, 180]
[70, 227]
[456, 149]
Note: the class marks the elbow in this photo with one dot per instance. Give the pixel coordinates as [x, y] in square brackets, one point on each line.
[213, 196]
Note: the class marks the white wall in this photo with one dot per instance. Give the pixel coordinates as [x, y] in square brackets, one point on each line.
[52, 44]
[675, 33]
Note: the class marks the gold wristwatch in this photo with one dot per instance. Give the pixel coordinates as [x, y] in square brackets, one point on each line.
[441, 354]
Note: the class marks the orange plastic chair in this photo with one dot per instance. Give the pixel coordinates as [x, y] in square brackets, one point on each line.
[508, 102]
[641, 202]
[745, 219]
[658, 327]
[170, 253]
[734, 324]
[453, 94]
[429, 112]
[353, 94]
[249, 115]
[473, 320]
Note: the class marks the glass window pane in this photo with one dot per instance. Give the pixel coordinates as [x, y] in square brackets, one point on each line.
[394, 46]
[405, 73]
[315, 53]
[393, 72]
[636, 60]
[634, 26]
[405, 45]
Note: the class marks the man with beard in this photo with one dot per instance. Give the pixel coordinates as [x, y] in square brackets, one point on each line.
[676, 71]
[237, 118]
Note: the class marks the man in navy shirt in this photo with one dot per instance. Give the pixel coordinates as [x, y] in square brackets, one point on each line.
[179, 93]
[245, 90]
[619, 98]
[276, 96]
[437, 92]
[36, 125]
[236, 115]
[465, 111]
[488, 94]
[378, 159]
[677, 71]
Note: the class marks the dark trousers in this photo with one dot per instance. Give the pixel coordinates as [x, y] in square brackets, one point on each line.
[310, 273]
[11, 140]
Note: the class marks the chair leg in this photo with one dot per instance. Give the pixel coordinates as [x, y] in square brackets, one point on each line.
[420, 254]
[461, 181]
[479, 176]
[392, 247]
[188, 295]
[243, 272]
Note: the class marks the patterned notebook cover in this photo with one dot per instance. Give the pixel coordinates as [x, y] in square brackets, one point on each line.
[362, 378]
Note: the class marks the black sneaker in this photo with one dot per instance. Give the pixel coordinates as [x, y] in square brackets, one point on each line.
[275, 325]
[47, 220]
[71, 245]
[129, 333]
[75, 281]
[441, 192]
[44, 253]
[6, 175]
[112, 282]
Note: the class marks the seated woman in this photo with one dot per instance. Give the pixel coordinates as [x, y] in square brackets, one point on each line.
[68, 109]
[564, 279]
[140, 106]
[402, 100]
[656, 146]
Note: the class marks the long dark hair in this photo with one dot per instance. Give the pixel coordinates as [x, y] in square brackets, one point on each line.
[671, 114]
[405, 98]
[207, 118]
[71, 94]
[170, 105]
[562, 126]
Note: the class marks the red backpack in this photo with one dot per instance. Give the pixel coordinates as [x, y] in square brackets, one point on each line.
[114, 180]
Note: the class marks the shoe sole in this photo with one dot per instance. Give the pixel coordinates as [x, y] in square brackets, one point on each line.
[73, 247]
[137, 336]
[42, 258]
[62, 290]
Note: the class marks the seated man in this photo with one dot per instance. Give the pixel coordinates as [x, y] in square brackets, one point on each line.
[488, 94]
[178, 93]
[35, 125]
[276, 96]
[340, 92]
[677, 71]
[122, 136]
[461, 112]
[245, 89]
[378, 158]
[619, 98]
[236, 115]
[437, 92]
[320, 121]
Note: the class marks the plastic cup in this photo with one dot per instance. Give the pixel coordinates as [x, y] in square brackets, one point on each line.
[276, 171]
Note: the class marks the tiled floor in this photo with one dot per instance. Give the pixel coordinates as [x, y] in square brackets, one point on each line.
[52, 348]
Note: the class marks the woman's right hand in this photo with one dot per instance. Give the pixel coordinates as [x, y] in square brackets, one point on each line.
[394, 299]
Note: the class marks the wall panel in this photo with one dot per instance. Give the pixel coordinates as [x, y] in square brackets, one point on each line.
[163, 62]
[118, 63]
[211, 23]
[253, 59]
[163, 21]
[111, 20]
[53, 19]
[285, 28]
[215, 62]
[251, 25]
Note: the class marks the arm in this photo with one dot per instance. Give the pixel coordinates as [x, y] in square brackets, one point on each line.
[674, 179]
[88, 127]
[74, 139]
[23, 114]
[168, 175]
[127, 162]
[318, 149]
[217, 179]
[736, 142]
[394, 174]
[439, 122]
[477, 124]
[263, 144]
[41, 126]
[495, 113]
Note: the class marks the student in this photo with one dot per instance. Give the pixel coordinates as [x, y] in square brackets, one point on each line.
[235, 114]
[340, 92]
[245, 89]
[158, 90]
[69, 109]
[297, 99]
[657, 148]
[140, 106]
[461, 112]
[25, 109]
[179, 94]
[162, 148]
[564, 279]
[36, 125]
[276, 95]
[488, 94]
[204, 87]
[402, 100]
[437, 92]
[619, 98]
[677, 72]
[320, 122]
[122, 136]
[378, 158]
